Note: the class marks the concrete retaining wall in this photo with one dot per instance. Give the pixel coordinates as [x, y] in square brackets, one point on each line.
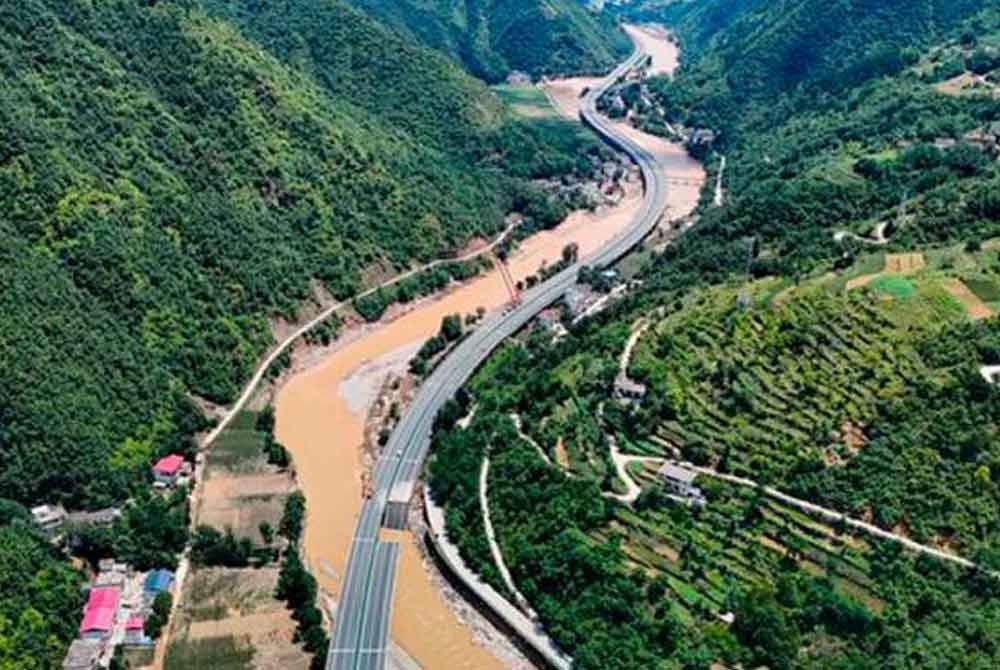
[530, 631]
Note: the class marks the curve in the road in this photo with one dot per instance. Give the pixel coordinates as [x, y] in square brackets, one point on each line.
[362, 607]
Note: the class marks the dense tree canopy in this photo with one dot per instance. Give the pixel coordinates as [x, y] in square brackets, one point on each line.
[173, 174]
[493, 37]
[758, 362]
[41, 603]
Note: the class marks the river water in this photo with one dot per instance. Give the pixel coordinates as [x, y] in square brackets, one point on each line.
[321, 413]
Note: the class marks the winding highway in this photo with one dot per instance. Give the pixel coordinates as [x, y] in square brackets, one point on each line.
[361, 632]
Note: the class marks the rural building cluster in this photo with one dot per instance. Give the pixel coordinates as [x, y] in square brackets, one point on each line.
[119, 599]
[118, 604]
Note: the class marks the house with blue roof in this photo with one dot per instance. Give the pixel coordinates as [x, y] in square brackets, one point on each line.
[157, 581]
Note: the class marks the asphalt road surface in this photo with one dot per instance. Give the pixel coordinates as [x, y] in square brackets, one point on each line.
[361, 633]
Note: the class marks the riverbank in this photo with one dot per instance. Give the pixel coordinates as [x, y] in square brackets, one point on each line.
[321, 421]
[324, 431]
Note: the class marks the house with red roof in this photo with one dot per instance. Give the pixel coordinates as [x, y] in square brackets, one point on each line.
[168, 469]
[135, 630]
[100, 612]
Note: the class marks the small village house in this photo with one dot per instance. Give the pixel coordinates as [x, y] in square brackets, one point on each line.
[680, 482]
[627, 389]
[100, 612]
[991, 373]
[101, 517]
[168, 469]
[158, 581]
[135, 630]
[49, 517]
[111, 573]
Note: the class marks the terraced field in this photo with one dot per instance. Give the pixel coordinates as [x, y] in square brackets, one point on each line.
[738, 540]
[865, 401]
[767, 390]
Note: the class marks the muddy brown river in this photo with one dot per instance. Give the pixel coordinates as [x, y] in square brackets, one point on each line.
[321, 413]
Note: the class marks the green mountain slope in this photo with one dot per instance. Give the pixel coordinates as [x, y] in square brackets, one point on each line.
[744, 51]
[170, 178]
[809, 146]
[493, 37]
[835, 124]
[775, 390]
[41, 600]
[356, 59]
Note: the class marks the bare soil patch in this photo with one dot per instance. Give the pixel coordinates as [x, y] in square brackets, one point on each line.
[227, 603]
[967, 84]
[566, 94]
[667, 552]
[244, 514]
[243, 502]
[976, 308]
[253, 625]
[894, 264]
[234, 487]
[903, 263]
[562, 456]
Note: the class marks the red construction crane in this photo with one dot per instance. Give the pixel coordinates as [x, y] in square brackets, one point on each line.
[508, 280]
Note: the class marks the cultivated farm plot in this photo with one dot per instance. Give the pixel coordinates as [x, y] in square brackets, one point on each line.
[898, 264]
[243, 513]
[221, 653]
[736, 541]
[903, 263]
[973, 304]
[238, 450]
[230, 619]
[754, 388]
[526, 100]
[241, 489]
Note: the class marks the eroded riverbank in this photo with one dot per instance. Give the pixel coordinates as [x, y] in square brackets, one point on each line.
[321, 413]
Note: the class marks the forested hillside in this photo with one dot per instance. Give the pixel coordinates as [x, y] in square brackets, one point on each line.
[861, 137]
[821, 332]
[697, 20]
[41, 596]
[868, 402]
[172, 174]
[494, 37]
[745, 48]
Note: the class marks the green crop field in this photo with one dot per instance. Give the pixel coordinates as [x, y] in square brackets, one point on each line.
[986, 289]
[763, 390]
[525, 100]
[240, 448]
[894, 285]
[739, 538]
[217, 653]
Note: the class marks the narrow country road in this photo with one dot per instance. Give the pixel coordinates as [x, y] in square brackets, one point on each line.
[720, 196]
[622, 461]
[516, 418]
[269, 360]
[484, 503]
[637, 332]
